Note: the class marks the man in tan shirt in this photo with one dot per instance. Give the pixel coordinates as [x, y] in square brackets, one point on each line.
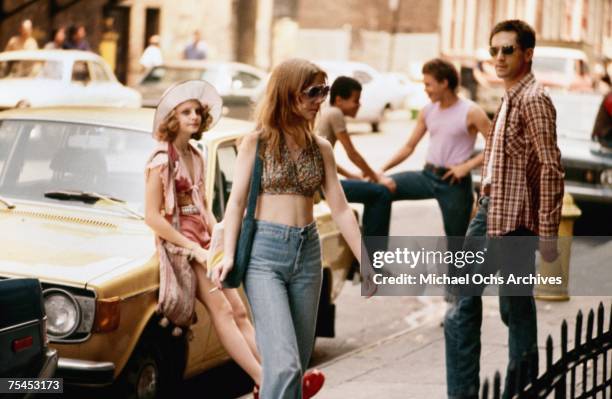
[374, 192]
[23, 41]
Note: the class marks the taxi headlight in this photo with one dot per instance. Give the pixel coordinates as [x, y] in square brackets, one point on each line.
[63, 313]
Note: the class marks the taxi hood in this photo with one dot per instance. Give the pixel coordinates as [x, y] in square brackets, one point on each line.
[65, 247]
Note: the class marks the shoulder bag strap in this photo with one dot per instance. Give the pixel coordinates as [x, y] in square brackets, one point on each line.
[255, 184]
[175, 214]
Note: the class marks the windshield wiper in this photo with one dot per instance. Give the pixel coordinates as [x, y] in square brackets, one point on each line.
[90, 197]
[7, 203]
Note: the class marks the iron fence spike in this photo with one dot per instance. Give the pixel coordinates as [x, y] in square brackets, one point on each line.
[590, 320]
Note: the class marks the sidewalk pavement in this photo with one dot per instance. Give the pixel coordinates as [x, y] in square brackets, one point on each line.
[411, 364]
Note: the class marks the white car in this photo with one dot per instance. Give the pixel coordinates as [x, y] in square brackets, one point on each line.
[39, 78]
[400, 89]
[375, 95]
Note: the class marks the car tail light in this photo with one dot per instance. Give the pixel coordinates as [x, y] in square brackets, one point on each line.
[22, 343]
[108, 315]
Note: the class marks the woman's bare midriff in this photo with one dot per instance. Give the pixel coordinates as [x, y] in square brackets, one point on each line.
[288, 209]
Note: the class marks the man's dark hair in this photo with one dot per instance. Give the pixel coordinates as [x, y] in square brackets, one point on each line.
[442, 70]
[344, 87]
[525, 35]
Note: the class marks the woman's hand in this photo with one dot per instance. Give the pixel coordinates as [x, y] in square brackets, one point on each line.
[220, 271]
[199, 254]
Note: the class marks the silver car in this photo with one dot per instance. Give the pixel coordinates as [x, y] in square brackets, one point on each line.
[240, 85]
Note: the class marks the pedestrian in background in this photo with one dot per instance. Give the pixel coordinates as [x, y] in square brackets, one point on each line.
[453, 124]
[77, 38]
[521, 195]
[284, 275]
[152, 55]
[197, 49]
[23, 41]
[375, 194]
[58, 37]
[184, 112]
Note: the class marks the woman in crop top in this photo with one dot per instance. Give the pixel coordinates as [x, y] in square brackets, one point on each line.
[283, 278]
[185, 111]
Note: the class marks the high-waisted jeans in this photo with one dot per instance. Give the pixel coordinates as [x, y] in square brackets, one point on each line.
[283, 285]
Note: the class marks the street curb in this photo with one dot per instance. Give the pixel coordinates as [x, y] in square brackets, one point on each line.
[428, 320]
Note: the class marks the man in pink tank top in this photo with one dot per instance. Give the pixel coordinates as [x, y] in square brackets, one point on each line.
[452, 123]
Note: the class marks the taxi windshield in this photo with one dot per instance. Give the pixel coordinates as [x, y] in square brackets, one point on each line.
[38, 157]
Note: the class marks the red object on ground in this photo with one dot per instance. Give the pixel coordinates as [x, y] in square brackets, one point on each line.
[312, 383]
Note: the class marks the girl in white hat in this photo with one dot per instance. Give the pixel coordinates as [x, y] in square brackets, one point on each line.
[184, 112]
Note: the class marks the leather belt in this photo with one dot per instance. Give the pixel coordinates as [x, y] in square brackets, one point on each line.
[189, 210]
[436, 170]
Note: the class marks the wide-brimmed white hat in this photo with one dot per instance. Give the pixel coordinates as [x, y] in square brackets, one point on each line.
[178, 93]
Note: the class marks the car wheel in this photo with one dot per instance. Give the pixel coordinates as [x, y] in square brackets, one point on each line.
[143, 373]
[386, 111]
[156, 366]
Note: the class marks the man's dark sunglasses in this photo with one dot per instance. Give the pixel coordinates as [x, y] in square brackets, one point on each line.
[316, 91]
[505, 50]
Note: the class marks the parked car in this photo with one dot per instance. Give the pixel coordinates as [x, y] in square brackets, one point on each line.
[375, 97]
[75, 177]
[24, 350]
[555, 67]
[240, 85]
[587, 164]
[400, 89]
[40, 78]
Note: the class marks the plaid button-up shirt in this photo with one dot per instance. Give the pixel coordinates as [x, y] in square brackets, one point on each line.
[527, 179]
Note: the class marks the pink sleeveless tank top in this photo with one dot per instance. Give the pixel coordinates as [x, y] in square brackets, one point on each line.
[450, 142]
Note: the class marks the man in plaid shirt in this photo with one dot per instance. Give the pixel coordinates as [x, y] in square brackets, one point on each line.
[521, 195]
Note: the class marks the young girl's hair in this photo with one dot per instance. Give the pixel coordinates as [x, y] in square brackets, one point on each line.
[169, 128]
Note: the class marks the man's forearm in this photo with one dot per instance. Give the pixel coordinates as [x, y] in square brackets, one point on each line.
[398, 158]
[358, 160]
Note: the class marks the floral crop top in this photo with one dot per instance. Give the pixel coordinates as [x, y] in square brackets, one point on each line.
[303, 176]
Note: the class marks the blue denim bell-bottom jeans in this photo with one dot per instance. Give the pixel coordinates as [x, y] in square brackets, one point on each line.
[283, 285]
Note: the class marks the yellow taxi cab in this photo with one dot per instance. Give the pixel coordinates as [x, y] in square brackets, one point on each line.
[71, 206]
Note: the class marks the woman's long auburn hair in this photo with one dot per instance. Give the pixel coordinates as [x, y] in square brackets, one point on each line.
[278, 112]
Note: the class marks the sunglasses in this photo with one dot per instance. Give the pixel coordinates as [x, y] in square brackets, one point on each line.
[318, 91]
[505, 50]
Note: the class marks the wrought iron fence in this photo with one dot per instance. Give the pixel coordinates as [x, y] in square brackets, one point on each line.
[582, 372]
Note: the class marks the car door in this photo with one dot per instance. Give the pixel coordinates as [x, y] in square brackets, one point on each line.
[78, 88]
[103, 89]
[224, 161]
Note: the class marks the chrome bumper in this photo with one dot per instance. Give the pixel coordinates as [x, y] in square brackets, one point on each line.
[48, 368]
[85, 372]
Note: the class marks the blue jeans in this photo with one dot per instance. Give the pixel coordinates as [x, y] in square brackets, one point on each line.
[376, 199]
[463, 321]
[283, 285]
[455, 200]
